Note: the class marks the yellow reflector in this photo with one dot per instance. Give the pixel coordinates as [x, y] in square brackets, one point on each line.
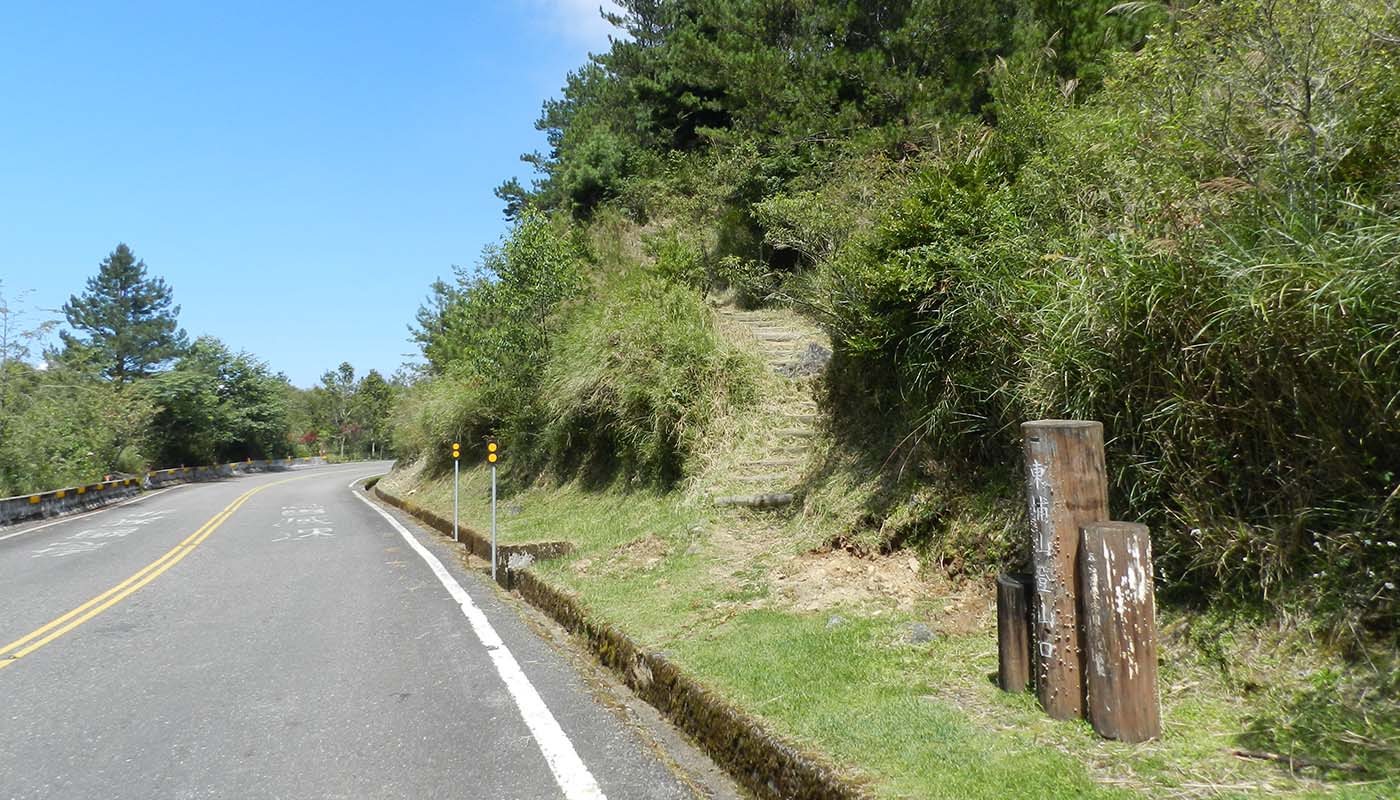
[33, 499]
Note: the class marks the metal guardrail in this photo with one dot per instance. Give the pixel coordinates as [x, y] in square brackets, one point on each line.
[95, 495]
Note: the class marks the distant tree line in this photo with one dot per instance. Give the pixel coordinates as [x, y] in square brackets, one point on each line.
[126, 390]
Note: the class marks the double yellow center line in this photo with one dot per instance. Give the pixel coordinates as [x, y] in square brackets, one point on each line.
[41, 636]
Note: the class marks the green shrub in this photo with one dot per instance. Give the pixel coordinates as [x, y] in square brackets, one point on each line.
[487, 340]
[634, 382]
[130, 461]
[678, 258]
[65, 430]
[1183, 259]
[432, 414]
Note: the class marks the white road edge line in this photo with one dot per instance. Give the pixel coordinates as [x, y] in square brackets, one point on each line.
[569, 771]
[72, 517]
[365, 477]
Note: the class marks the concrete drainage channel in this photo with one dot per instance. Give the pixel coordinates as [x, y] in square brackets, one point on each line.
[757, 758]
[93, 496]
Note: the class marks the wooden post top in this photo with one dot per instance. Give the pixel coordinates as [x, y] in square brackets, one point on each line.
[1060, 424]
[1116, 526]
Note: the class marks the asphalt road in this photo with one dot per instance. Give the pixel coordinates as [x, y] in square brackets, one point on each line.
[294, 642]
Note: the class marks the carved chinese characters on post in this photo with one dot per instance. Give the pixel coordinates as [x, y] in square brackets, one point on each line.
[1066, 486]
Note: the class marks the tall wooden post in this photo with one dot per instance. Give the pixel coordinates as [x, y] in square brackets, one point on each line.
[1066, 487]
[1120, 630]
[1014, 659]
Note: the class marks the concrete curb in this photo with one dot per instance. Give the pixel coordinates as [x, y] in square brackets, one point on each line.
[96, 495]
[508, 556]
[757, 758]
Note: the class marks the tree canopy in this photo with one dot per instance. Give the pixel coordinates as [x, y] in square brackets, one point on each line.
[129, 319]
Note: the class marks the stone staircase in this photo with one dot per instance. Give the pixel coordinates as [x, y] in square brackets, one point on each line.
[769, 448]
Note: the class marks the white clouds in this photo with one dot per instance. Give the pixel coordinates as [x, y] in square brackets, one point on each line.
[579, 20]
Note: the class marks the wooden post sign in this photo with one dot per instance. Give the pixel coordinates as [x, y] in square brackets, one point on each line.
[1066, 488]
[1120, 630]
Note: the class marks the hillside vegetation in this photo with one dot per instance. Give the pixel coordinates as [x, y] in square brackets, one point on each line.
[1182, 220]
[1178, 219]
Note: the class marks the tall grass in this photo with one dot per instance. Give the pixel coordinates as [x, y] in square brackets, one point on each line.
[619, 379]
[433, 413]
[636, 380]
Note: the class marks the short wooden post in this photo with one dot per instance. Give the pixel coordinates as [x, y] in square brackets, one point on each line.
[1120, 630]
[1014, 660]
[1066, 487]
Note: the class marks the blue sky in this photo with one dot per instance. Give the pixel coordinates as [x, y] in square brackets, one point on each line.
[299, 172]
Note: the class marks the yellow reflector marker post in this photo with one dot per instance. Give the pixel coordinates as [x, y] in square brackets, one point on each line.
[492, 456]
[456, 472]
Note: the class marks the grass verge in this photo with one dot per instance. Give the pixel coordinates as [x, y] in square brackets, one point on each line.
[897, 694]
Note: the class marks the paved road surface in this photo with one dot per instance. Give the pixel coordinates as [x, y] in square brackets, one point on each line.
[276, 636]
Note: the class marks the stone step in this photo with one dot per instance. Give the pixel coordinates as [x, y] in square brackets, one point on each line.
[770, 478]
[810, 362]
[770, 463]
[784, 335]
[777, 336]
[756, 500]
[795, 433]
[791, 449]
[807, 419]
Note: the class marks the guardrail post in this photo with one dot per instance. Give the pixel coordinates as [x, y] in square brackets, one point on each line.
[1066, 487]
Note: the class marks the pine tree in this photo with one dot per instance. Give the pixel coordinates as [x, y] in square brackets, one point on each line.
[127, 317]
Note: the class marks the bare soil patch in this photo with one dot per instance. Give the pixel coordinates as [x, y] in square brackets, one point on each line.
[641, 554]
[824, 580]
